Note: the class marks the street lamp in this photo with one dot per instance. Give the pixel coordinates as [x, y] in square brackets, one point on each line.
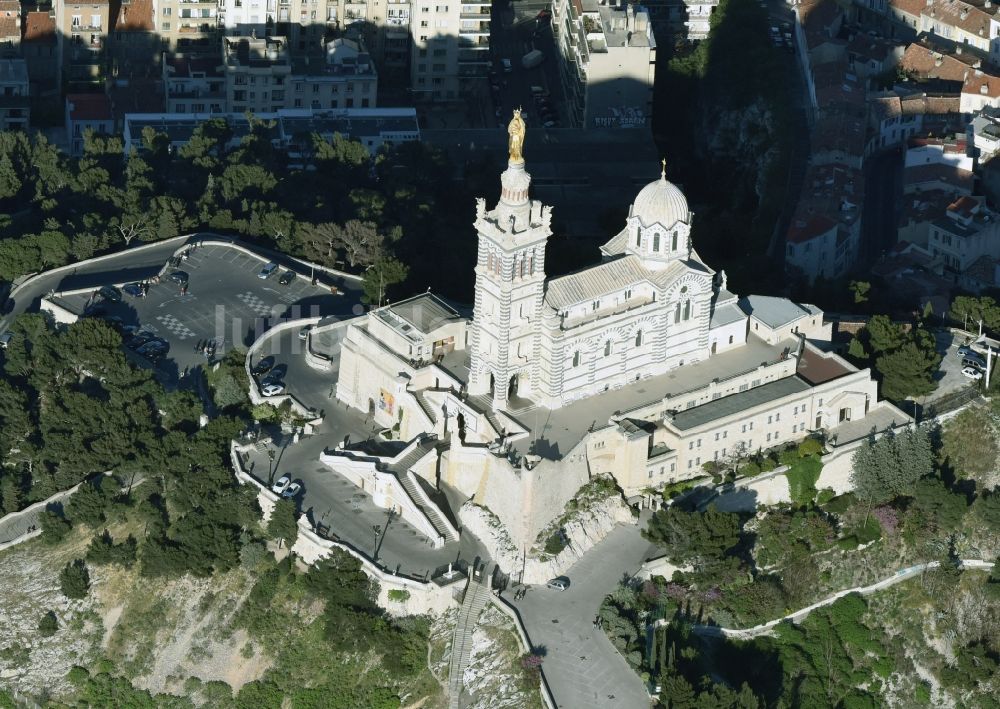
[377, 528]
[270, 466]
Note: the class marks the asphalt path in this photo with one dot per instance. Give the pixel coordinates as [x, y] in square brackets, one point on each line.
[583, 669]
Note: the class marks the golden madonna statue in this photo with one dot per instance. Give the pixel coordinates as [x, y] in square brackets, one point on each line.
[515, 129]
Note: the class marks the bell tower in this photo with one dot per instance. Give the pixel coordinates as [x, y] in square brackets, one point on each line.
[510, 284]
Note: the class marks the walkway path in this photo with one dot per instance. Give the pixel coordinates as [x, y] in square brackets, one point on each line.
[17, 526]
[798, 615]
[583, 669]
[477, 595]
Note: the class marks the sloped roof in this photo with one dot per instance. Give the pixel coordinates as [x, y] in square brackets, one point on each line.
[925, 63]
[89, 107]
[135, 16]
[593, 282]
[981, 84]
[39, 27]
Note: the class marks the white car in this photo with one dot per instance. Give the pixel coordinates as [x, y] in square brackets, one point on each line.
[272, 389]
[291, 491]
[283, 482]
[972, 373]
[304, 332]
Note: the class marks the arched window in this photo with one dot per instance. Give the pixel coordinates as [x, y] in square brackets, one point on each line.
[677, 313]
[687, 309]
[730, 339]
[638, 238]
[607, 348]
[531, 265]
[489, 261]
[524, 266]
[638, 338]
[673, 242]
[576, 358]
[656, 242]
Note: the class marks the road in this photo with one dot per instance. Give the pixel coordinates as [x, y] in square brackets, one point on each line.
[897, 577]
[880, 213]
[582, 667]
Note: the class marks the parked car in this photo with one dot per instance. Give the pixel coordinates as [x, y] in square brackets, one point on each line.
[110, 293]
[5, 339]
[507, 66]
[559, 583]
[269, 270]
[304, 332]
[286, 278]
[134, 289]
[291, 491]
[972, 373]
[272, 389]
[283, 482]
[138, 340]
[155, 345]
[179, 277]
[974, 362]
[263, 365]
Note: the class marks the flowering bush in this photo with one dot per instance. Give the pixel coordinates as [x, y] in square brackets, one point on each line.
[888, 517]
[676, 591]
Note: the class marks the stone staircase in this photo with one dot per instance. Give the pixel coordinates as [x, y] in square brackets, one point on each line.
[477, 595]
[425, 405]
[412, 486]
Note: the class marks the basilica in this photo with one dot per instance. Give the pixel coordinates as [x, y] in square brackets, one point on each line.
[644, 367]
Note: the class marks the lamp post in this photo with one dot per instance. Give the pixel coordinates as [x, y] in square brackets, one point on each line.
[377, 528]
[270, 466]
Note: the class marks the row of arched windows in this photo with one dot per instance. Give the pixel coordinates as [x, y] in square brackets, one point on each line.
[523, 266]
[609, 347]
[656, 241]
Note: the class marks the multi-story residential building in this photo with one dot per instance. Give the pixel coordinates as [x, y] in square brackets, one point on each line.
[257, 71]
[938, 164]
[451, 47]
[40, 49]
[87, 112]
[980, 90]
[81, 31]
[187, 25]
[823, 239]
[986, 134]
[607, 62]
[344, 78]
[10, 28]
[301, 22]
[966, 232]
[393, 42]
[194, 84]
[15, 107]
[372, 127]
[134, 46]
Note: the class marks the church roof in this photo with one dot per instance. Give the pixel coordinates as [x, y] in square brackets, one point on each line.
[593, 282]
[775, 312]
[615, 245]
[739, 402]
[660, 202]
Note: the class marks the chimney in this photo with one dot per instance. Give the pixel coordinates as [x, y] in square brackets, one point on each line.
[958, 49]
[965, 13]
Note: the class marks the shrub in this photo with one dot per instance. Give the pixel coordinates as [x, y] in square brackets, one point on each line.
[810, 446]
[88, 503]
[399, 595]
[750, 469]
[103, 550]
[767, 464]
[74, 579]
[802, 477]
[841, 503]
[55, 527]
[48, 625]
[555, 543]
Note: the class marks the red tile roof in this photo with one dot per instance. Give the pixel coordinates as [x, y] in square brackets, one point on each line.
[982, 84]
[89, 107]
[9, 27]
[39, 27]
[924, 63]
[135, 16]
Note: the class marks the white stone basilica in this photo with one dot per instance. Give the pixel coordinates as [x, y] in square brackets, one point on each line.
[649, 307]
[643, 367]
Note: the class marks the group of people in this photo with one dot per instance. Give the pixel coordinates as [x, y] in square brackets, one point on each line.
[520, 593]
[205, 347]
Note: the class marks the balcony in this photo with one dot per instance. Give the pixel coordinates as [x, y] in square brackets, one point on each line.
[86, 28]
[473, 30]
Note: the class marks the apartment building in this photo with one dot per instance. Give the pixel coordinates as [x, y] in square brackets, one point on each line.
[823, 239]
[256, 71]
[301, 22]
[607, 63]
[187, 25]
[87, 112]
[40, 50]
[81, 34]
[135, 45]
[194, 84]
[263, 75]
[10, 28]
[450, 49]
[14, 103]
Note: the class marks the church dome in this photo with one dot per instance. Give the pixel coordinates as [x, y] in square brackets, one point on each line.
[660, 201]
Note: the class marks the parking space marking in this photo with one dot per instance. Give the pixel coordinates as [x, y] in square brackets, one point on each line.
[180, 330]
[254, 302]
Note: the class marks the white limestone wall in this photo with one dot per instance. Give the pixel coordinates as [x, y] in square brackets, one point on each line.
[719, 336]
[59, 313]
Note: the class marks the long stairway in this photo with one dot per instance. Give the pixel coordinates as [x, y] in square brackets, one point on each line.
[477, 595]
[410, 483]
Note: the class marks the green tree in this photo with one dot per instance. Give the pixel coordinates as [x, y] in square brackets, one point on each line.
[860, 289]
[908, 371]
[884, 335]
[48, 625]
[891, 465]
[10, 183]
[74, 579]
[283, 526]
[380, 277]
[55, 527]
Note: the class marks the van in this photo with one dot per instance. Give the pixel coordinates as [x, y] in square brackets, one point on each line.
[5, 339]
[975, 363]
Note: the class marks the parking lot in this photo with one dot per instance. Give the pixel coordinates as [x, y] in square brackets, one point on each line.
[224, 304]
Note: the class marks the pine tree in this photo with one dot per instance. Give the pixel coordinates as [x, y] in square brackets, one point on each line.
[10, 183]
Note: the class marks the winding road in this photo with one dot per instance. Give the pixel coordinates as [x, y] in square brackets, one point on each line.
[764, 628]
